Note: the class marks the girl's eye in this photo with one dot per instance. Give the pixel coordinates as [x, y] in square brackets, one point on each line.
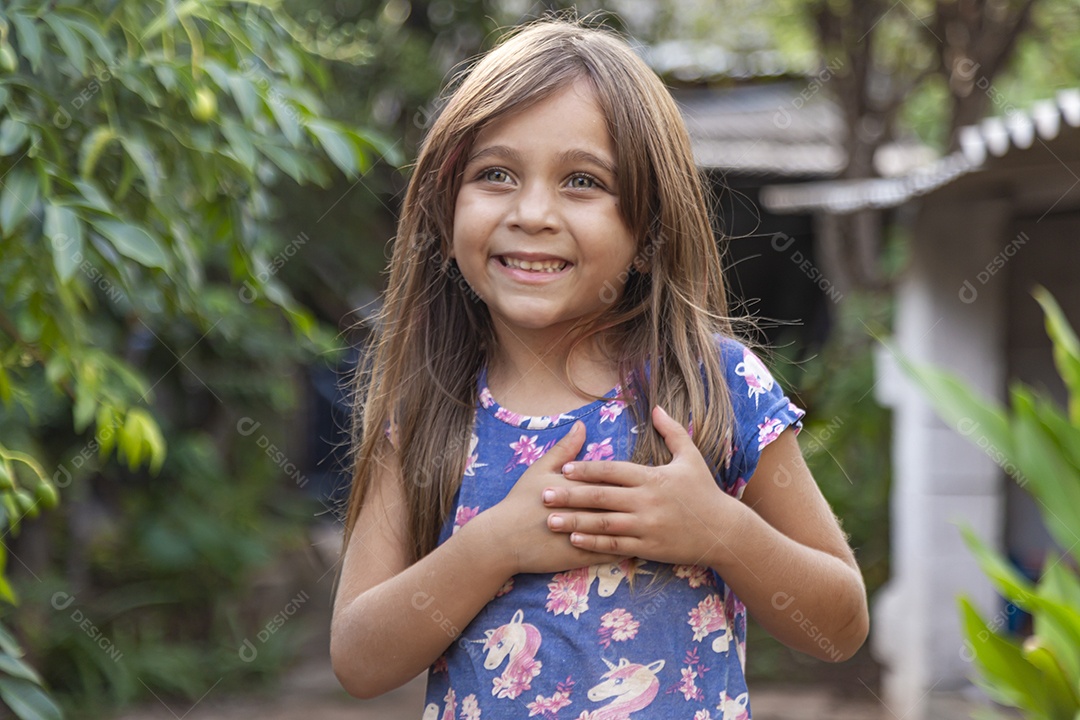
[495, 175]
[583, 182]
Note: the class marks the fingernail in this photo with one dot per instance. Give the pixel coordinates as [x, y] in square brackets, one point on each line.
[567, 468]
[662, 410]
[575, 538]
[555, 522]
[549, 496]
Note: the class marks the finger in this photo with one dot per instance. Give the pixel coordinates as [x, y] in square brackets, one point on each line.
[612, 472]
[618, 545]
[565, 450]
[592, 523]
[675, 436]
[596, 497]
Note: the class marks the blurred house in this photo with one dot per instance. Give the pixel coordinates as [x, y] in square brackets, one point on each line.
[992, 220]
[756, 120]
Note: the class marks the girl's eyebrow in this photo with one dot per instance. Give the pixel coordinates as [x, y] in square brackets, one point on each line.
[572, 155]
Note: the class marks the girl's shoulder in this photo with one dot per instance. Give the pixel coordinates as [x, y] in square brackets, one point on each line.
[761, 409]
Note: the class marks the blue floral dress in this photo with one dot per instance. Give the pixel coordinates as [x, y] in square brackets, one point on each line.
[625, 640]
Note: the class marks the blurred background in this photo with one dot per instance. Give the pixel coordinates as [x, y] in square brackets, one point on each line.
[196, 206]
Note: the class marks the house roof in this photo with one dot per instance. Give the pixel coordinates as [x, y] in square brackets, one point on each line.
[766, 129]
[981, 147]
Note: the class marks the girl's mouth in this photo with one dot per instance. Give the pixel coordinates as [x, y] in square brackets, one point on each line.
[540, 266]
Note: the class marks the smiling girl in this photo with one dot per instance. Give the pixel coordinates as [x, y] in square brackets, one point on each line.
[572, 481]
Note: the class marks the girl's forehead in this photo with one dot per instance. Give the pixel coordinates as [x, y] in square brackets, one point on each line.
[572, 109]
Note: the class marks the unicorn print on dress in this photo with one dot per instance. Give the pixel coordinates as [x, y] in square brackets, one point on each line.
[431, 712]
[709, 617]
[471, 463]
[632, 685]
[734, 708]
[758, 379]
[568, 592]
[518, 641]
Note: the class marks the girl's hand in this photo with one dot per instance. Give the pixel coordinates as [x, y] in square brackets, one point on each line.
[518, 525]
[672, 513]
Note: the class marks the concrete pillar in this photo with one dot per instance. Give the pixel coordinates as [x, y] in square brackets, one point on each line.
[950, 317]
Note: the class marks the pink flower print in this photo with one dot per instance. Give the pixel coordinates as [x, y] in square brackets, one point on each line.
[687, 686]
[769, 431]
[599, 451]
[703, 715]
[737, 490]
[568, 593]
[618, 625]
[485, 398]
[440, 665]
[549, 707]
[525, 451]
[696, 575]
[512, 684]
[707, 617]
[610, 411]
[506, 587]
[470, 709]
[509, 416]
[464, 515]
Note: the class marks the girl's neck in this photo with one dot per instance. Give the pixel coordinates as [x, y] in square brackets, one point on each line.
[530, 375]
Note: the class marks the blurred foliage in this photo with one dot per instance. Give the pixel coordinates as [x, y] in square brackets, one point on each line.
[141, 315]
[1039, 444]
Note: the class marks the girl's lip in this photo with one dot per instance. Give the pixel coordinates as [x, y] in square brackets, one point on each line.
[530, 277]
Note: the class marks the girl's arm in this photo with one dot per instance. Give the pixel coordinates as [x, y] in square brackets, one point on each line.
[787, 559]
[781, 549]
[392, 620]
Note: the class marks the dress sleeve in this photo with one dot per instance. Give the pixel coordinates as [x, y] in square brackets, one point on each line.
[761, 412]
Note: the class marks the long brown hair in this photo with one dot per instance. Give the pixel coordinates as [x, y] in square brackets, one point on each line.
[433, 334]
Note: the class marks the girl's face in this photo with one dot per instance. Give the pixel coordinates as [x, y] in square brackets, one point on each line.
[537, 230]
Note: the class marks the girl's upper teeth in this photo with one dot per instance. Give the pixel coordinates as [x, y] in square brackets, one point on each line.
[541, 265]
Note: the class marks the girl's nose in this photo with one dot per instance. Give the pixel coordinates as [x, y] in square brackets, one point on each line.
[535, 208]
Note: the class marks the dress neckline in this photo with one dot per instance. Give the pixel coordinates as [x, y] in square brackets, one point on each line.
[540, 422]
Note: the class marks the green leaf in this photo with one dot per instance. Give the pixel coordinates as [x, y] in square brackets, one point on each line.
[95, 38]
[1054, 484]
[28, 700]
[69, 41]
[287, 116]
[65, 233]
[17, 668]
[134, 242]
[149, 435]
[245, 96]
[26, 33]
[12, 135]
[131, 440]
[1060, 694]
[8, 644]
[1010, 677]
[1014, 586]
[92, 146]
[18, 194]
[981, 421]
[92, 198]
[337, 146]
[1066, 349]
[144, 159]
[239, 142]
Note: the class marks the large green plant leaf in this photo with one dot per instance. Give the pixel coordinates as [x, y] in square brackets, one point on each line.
[1066, 349]
[1007, 675]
